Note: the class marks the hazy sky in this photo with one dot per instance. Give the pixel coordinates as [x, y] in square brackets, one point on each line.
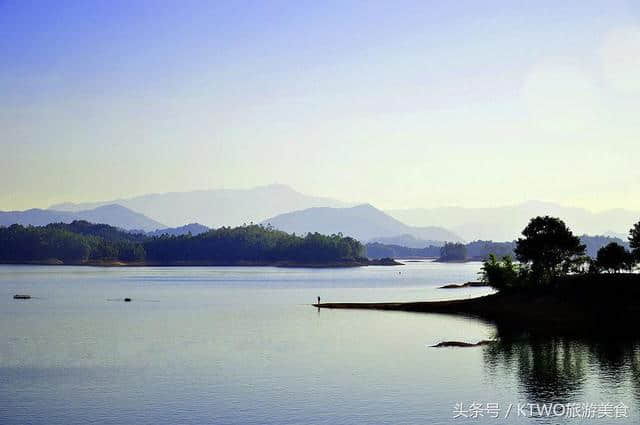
[401, 104]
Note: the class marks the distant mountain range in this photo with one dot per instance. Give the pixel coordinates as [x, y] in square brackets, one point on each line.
[294, 211]
[114, 215]
[215, 208]
[506, 223]
[407, 240]
[363, 222]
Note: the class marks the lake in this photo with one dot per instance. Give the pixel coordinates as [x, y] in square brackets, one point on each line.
[242, 345]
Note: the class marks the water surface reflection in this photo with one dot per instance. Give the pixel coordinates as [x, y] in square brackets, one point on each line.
[562, 369]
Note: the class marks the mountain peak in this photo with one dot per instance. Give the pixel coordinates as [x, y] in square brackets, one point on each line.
[111, 207]
[365, 206]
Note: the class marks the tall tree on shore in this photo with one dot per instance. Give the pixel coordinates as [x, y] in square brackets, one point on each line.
[548, 248]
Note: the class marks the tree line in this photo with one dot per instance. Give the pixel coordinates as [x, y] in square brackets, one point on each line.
[450, 251]
[477, 250]
[82, 242]
[549, 251]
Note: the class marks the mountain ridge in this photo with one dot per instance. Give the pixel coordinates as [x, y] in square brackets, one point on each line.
[363, 222]
[216, 207]
[111, 214]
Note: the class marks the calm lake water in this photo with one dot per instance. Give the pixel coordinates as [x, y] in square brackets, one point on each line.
[243, 346]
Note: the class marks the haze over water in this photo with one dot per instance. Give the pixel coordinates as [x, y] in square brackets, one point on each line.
[243, 346]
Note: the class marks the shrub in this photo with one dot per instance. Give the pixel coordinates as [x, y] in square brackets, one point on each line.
[500, 275]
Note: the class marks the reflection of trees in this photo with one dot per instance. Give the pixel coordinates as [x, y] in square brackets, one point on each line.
[611, 358]
[635, 373]
[554, 368]
[548, 369]
[619, 360]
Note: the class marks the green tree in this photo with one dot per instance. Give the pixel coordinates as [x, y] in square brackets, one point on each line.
[549, 249]
[613, 257]
[634, 240]
[453, 252]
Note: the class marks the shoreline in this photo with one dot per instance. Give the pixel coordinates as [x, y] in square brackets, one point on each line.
[495, 308]
[282, 264]
[577, 305]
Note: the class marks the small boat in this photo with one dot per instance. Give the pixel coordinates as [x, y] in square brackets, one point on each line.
[21, 297]
[127, 300]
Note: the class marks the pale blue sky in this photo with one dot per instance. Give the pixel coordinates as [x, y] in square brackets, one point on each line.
[401, 104]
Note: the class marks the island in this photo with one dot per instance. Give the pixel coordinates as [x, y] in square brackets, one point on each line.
[84, 243]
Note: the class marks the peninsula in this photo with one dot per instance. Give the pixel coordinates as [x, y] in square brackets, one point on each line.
[554, 286]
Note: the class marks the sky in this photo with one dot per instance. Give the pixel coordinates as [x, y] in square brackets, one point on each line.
[401, 104]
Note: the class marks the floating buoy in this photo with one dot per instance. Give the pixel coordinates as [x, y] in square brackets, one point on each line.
[127, 300]
[21, 297]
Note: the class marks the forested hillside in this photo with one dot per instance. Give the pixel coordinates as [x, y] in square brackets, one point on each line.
[81, 242]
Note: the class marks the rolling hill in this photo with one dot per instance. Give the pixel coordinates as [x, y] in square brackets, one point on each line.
[363, 222]
[114, 215]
